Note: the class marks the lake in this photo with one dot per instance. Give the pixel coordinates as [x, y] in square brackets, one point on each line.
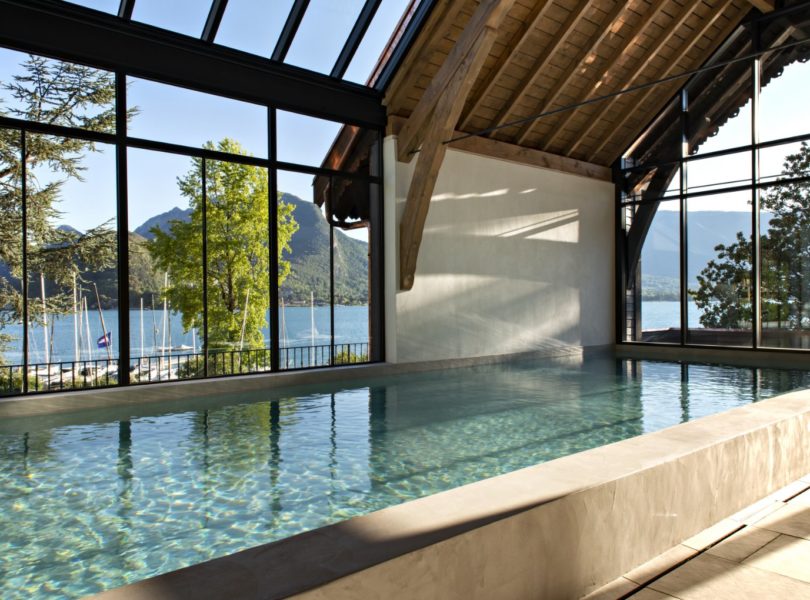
[351, 326]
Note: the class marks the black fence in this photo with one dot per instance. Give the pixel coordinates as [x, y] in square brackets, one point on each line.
[171, 367]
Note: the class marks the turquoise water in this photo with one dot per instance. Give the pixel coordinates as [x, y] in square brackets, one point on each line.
[95, 500]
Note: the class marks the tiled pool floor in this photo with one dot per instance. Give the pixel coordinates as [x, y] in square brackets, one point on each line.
[761, 552]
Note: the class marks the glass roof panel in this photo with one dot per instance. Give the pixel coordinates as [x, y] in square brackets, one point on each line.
[107, 6]
[322, 33]
[183, 16]
[253, 25]
[376, 39]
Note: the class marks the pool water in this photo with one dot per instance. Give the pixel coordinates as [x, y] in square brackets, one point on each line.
[92, 501]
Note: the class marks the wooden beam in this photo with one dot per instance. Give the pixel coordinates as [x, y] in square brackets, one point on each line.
[444, 118]
[478, 36]
[515, 44]
[650, 55]
[765, 6]
[542, 62]
[674, 65]
[577, 64]
[606, 70]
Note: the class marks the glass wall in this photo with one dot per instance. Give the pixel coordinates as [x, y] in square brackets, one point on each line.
[734, 215]
[233, 259]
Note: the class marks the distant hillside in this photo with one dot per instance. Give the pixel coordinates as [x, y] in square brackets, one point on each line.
[707, 229]
[309, 258]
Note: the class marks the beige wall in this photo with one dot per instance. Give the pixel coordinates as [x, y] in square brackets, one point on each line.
[514, 258]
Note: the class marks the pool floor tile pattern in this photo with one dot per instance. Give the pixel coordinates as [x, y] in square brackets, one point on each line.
[768, 557]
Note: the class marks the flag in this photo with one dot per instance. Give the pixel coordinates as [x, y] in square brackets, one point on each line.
[104, 340]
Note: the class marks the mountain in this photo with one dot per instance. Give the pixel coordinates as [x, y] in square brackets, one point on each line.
[309, 258]
[706, 229]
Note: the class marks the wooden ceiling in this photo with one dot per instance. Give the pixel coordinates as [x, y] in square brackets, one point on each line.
[550, 54]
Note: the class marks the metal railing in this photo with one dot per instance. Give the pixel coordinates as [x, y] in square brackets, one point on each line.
[69, 375]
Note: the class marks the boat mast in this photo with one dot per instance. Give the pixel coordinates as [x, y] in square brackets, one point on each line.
[103, 326]
[44, 318]
[312, 318]
[244, 321]
[76, 356]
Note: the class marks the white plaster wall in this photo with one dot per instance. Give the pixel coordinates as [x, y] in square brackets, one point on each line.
[514, 258]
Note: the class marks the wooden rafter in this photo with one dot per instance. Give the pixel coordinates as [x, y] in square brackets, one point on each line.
[576, 65]
[515, 44]
[675, 64]
[443, 116]
[542, 62]
[765, 6]
[633, 79]
[606, 70]
[481, 22]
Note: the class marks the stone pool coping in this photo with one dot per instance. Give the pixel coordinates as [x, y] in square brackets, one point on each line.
[169, 392]
[560, 529]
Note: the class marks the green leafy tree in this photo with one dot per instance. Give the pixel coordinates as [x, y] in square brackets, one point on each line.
[237, 250]
[724, 285]
[55, 93]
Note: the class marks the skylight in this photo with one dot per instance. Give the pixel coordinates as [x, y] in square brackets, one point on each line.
[342, 39]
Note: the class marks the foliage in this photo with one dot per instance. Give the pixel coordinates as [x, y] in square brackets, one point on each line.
[237, 254]
[345, 357]
[54, 93]
[724, 284]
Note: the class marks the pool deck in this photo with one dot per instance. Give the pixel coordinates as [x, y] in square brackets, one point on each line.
[762, 551]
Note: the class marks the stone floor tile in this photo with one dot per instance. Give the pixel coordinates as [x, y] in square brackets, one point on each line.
[708, 577]
[786, 555]
[615, 589]
[660, 564]
[712, 535]
[743, 544]
[650, 594]
[792, 519]
[803, 498]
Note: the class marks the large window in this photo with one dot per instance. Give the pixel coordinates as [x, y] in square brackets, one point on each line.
[715, 200]
[150, 233]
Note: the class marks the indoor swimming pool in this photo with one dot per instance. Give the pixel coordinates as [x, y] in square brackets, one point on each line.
[94, 500]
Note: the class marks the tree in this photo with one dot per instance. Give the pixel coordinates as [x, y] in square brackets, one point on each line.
[236, 248]
[54, 93]
[724, 284]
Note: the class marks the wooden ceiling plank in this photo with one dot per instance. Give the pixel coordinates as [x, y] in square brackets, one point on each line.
[477, 37]
[674, 65]
[598, 81]
[421, 54]
[542, 62]
[514, 45]
[442, 117]
[765, 6]
[650, 55]
[576, 64]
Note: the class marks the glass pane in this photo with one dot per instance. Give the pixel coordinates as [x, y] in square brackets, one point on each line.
[349, 205]
[304, 140]
[304, 314]
[661, 277]
[177, 115]
[72, 263]
[253, 25]
[785, 244]
[238, 267]
[377, 37]
[719, 269]
[783, 162]
[183, 16]
[165, 267]
[718, 172]
[11, 248]
[322, 34]
[43, 90]
[107, 6]
[785, 78]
